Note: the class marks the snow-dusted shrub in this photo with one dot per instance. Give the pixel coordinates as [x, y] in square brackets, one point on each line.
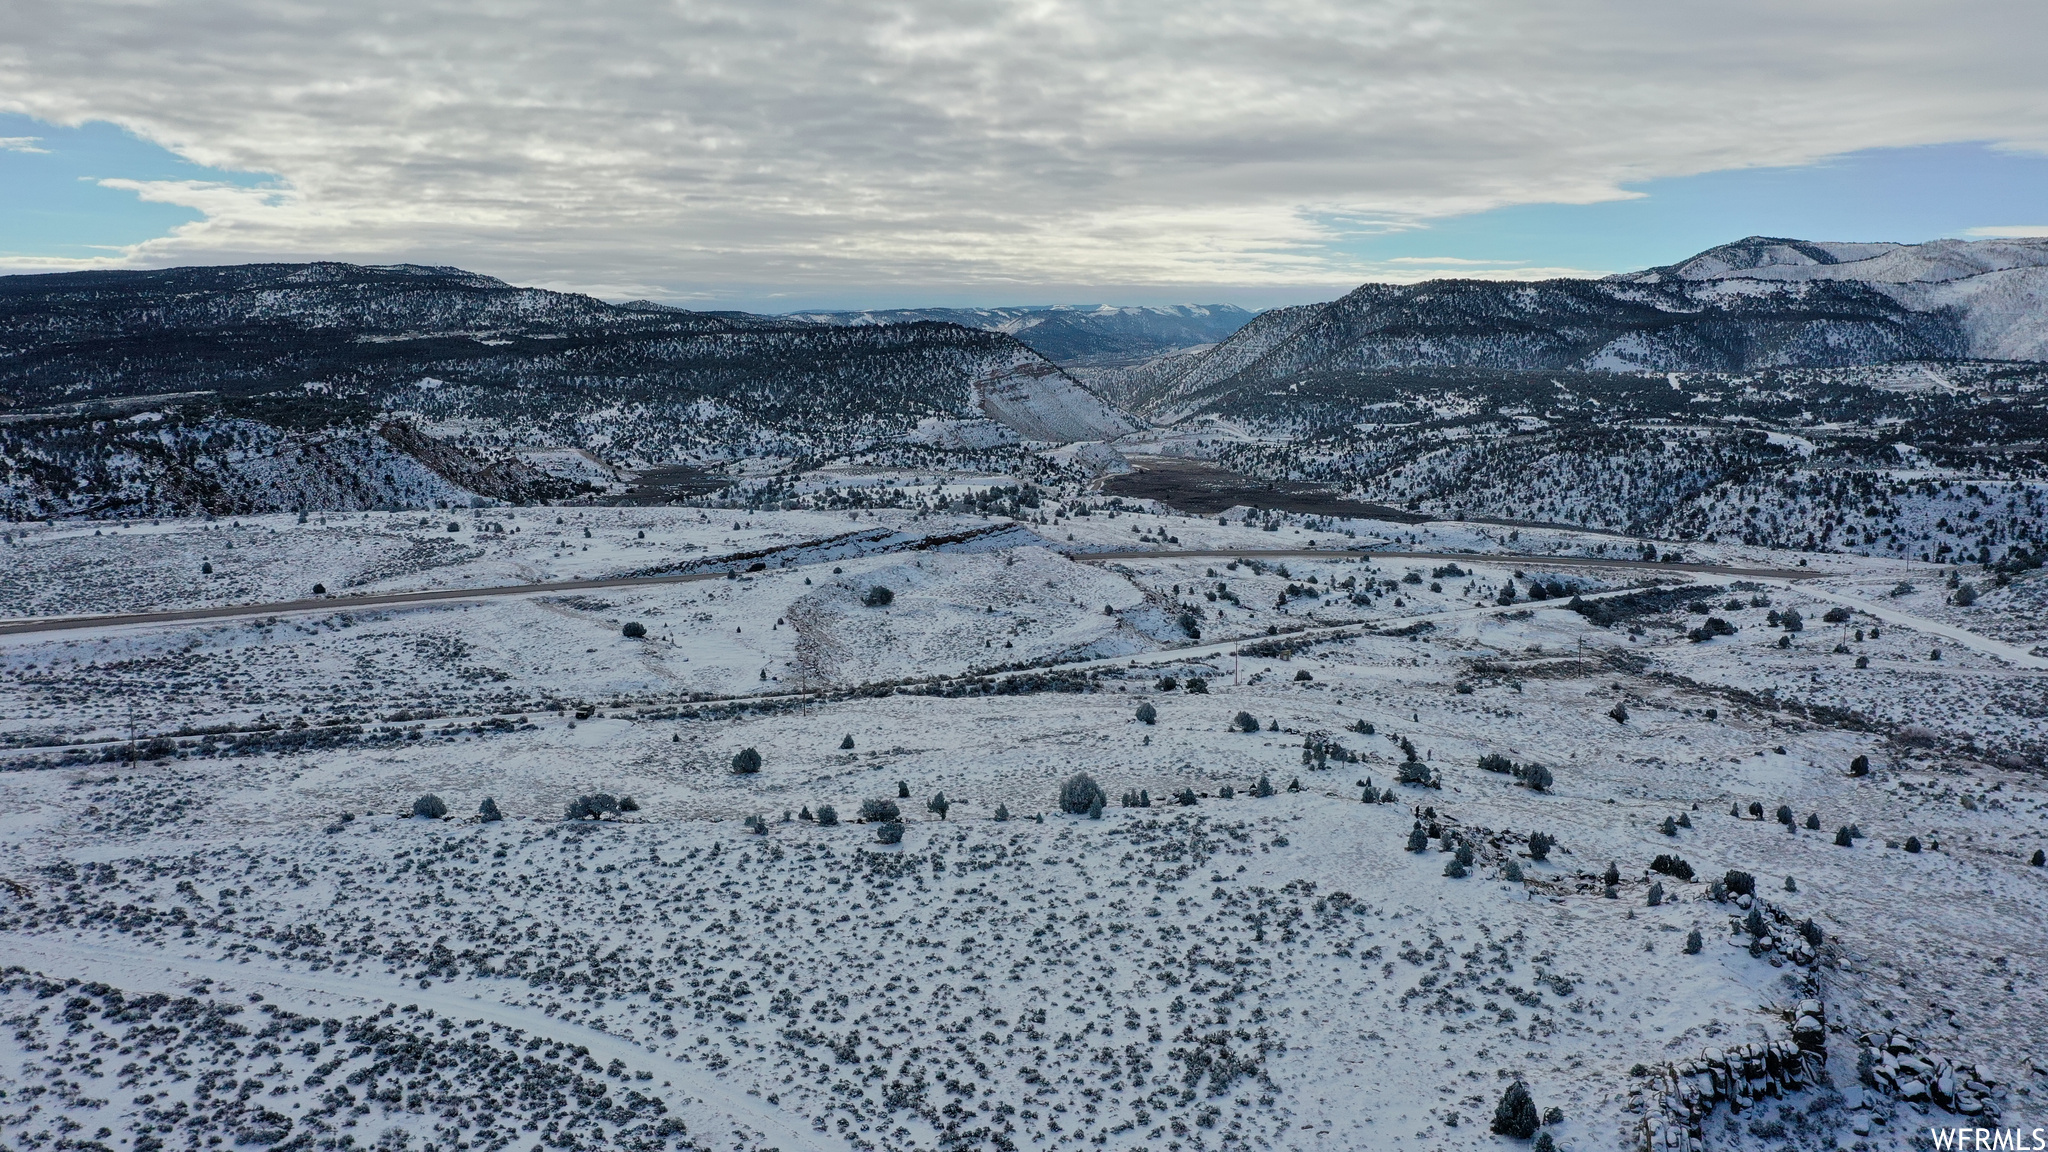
[877, 810]
[1080, 793]
[1245, 722]
[591, 807]
[879, 597]
[1535, 777]
[628, 804]
[1413, 772]
[1495, 762]
[634, 630]
[889, 833]
[429, 806]
[1739, 883]
[1672, 866]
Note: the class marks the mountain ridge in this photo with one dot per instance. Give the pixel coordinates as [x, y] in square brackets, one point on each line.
[1761, 302]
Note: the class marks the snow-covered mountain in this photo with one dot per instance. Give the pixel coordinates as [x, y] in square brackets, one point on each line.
[1999, 288]
[1757, 303]
[1092, 334]
[265, 363]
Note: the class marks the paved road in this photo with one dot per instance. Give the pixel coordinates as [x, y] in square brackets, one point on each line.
[400, 599]
[338, 603]
[1469, 558]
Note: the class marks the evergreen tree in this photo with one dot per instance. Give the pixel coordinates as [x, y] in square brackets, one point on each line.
[846, 743]
[1080, 793]
[746, 762]
[938, 804]
[488, 811]
[1418, 840]
[1693, 943]
[1002, 813]
[429, 806]
[828, 816]
[1516, 1114]
[1264, 788]
[1147, 714]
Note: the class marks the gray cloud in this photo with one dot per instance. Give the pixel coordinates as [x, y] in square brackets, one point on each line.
[707, 149]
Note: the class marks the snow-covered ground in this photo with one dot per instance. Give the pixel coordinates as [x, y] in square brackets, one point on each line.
[238, 936]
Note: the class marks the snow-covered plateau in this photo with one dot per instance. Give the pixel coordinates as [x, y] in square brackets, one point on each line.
[1391, 819]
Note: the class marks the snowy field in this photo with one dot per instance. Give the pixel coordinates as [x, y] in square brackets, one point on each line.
[222, 926]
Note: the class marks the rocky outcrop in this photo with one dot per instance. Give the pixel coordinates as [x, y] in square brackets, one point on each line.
[1681, 1095]
[1895, 1063]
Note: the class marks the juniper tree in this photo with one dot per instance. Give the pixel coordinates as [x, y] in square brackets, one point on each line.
[1540, 845]
[1693, 943]
[889, 833]
[1516, 1113]
[1263, 789]
[634, 630]
[1455, 869]
[1002, 813]
[846, 743]
[1418, 840]
[1843, 839]
[746, 762]
[1536, 778]
[828, 816]
[1669, 827]
[1245, 722]
[628, 804]
[1612, 876]
[1226, 793]
[1512, 872]
[488, 811]
[804, 814]
[1785, 814]
[1739, 883]
[1656, 896]
[1754, 923]
[1684, 820]
[1790, 885]
[1465, 854]
[938, 804]
[1187, 798]
[1080, 793]
[1813, 821]
[902, 790]
[1147, 714]
[878, 810]
[429, 806]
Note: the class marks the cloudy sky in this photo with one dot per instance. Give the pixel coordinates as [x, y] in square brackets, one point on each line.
[762, 153]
